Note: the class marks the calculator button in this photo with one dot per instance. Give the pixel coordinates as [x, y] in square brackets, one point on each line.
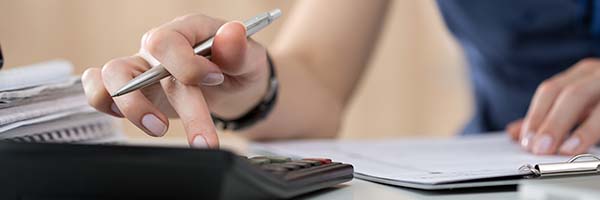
[259, 161]
[310, 162]
[275, 159]
[322, 160]
[300, 164]
[274, 168]
[287, 166]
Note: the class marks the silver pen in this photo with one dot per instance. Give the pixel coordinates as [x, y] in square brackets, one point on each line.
[155, 74]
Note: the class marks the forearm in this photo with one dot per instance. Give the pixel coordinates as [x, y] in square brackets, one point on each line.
[304, 107]
[320, 55]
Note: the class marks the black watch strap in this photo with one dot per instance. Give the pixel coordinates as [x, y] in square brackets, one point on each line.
[1, 58]
[259, 112]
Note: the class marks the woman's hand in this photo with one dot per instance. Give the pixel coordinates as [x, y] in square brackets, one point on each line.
[564, 115]
[228, 84]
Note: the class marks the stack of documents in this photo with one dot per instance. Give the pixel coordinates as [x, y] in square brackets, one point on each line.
[45, 103]
[475, 161]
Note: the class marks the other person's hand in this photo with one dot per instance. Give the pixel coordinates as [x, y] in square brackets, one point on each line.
[564, 114]
[228, 84]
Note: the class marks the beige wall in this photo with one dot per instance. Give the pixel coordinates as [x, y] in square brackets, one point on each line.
[415, 84]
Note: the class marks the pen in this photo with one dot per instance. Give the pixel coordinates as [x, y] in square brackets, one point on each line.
[156, 73]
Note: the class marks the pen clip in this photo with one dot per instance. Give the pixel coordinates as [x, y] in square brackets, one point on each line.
[573, 166]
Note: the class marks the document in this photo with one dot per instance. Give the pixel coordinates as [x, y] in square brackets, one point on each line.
[50, 72]
[45, 103]
[490, 159]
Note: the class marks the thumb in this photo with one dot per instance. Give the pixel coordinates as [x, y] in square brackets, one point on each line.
[229, 48]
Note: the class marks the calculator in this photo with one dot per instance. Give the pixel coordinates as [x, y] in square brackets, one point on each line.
[36, 171]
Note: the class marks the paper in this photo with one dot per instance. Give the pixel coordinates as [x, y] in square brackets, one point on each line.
[421, 161]
[40, 109]
[50, 72]
[45, 103]
[40, 93]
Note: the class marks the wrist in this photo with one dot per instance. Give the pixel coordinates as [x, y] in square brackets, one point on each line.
[259, 110]
[244, 92]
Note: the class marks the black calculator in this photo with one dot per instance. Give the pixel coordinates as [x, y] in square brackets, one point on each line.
[36, 171]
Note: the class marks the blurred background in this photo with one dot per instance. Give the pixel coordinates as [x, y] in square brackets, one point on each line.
[415, 85]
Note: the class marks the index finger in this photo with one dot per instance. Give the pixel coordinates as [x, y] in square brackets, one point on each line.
[190, 105]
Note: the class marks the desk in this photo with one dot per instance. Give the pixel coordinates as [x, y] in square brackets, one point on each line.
[355, 189]
[359, 189]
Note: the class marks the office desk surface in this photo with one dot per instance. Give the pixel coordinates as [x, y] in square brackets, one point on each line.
[359, 189]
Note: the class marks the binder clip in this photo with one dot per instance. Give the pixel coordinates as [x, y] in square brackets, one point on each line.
[577, 165]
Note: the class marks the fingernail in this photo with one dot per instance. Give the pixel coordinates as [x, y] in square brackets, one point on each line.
[154, 125]
[526, 139]
[116, 110]
[543, 144]
[199, 142]
[570, 145]
[213, 79]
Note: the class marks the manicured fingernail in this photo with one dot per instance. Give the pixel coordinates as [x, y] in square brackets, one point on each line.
[116, 110]
[542, 145]
[154, 125]
[570, 145]
[526, 139]
[199, 142]
[213, 79]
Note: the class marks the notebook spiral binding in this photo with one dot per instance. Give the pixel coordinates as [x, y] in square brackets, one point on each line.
[577, 165]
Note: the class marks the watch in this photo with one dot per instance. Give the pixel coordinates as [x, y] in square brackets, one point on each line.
[258, 112]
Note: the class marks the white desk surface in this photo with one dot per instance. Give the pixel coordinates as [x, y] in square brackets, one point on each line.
[359, 189]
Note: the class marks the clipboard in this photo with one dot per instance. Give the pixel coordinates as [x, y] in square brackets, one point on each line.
[441, 164]
[579, 165]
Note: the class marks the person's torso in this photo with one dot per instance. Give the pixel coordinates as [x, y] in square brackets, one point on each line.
[514, 45]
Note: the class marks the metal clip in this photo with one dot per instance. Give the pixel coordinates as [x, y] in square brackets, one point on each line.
[573, 166]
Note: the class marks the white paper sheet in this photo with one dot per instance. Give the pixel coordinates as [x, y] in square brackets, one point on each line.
[40, 93]
[49, 72]
[420, 161]
[39, 109]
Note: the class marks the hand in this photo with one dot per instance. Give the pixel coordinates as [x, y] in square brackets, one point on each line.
[229, 84]
[564, 115]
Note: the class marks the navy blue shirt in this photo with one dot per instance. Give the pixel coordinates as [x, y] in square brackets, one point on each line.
[513, 45]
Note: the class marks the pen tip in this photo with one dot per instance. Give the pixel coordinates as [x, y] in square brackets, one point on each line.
[116, 94]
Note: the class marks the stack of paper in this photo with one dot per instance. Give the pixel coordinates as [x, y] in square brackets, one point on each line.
[45, 103]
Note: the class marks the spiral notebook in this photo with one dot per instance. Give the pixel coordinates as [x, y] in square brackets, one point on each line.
[432, 164]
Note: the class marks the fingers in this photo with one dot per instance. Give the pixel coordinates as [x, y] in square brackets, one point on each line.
[558, 106]
[229, 48]
[513, 129]
[190, 105]
[584, 137]
[134, 106]
[541, 104]
[564, 116]
[544, 98]
[96, 93]
[172, 45]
